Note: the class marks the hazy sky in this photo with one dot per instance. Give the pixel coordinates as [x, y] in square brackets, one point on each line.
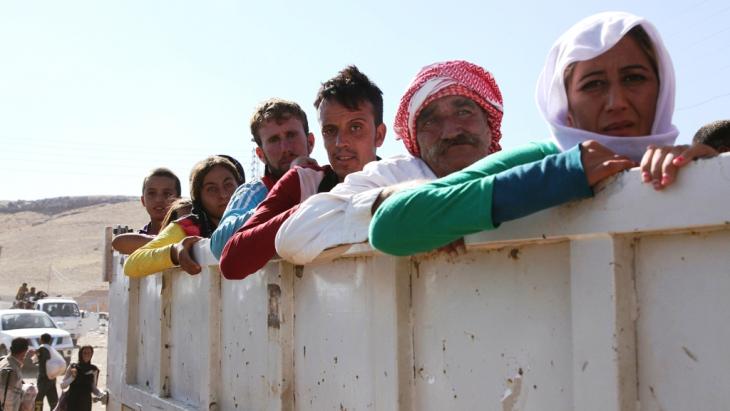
[94, 94]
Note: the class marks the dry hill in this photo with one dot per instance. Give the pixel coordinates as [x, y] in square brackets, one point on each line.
[56, 246]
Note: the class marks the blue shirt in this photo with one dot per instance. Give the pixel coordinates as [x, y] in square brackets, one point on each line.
[240, 208]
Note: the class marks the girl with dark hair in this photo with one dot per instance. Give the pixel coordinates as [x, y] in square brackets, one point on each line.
[212, 182]
[81, 379]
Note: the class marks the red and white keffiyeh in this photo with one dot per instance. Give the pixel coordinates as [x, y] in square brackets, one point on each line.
[448, 79]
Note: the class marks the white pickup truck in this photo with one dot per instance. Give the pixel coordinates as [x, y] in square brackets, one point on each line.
[31, 324]
[65, 313]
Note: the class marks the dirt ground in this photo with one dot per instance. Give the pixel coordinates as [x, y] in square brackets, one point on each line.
[98, 340]
[62, 254]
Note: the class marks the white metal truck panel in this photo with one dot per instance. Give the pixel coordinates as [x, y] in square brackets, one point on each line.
[147, 339]
[683, 329]
[614, 303]
[488, 317]
[188, 336]
[346, 335]
[244, 339]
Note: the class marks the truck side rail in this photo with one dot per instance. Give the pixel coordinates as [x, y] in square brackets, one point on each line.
[611, 303]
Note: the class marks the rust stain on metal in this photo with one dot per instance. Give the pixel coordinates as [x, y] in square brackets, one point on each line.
[274, 295]
[690, 354]
[512, 392]
[514, 254]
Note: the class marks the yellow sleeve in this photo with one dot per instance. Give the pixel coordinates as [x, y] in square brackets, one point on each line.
[154, 256]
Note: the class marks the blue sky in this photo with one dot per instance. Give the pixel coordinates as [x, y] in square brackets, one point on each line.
[95, 94]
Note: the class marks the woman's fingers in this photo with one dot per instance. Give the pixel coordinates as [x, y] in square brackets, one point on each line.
[660, 165]
[693, 152]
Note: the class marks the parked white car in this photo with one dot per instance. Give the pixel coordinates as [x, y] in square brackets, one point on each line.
[31, 324]
[65, 313]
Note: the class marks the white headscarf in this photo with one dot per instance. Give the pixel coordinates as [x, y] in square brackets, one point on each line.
[590, 38]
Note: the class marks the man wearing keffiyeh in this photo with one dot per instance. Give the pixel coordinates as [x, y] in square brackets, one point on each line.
[448, 118]
[453, 110]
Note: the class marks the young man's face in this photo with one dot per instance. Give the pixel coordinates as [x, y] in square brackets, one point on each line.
[159, 193]
[351, 137]
[452, 133]
[281, 142]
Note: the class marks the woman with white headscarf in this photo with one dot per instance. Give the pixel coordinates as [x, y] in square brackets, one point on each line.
[609, 78]
[607, 91]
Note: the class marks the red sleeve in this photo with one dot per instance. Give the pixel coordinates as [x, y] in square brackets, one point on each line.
[253, 244]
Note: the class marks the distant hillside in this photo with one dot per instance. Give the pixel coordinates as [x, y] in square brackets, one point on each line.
[60, 251]
[51, 206]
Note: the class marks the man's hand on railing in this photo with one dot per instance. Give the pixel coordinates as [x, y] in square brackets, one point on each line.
[181, 255]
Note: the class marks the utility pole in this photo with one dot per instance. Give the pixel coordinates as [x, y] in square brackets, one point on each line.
[255, 171]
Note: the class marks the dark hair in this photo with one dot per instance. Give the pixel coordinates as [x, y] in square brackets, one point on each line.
[81, 350]
[18, 345]
[644, 41]
[202, 168]
[350, 87]
[46, 338]
[163, 172]
[715, 135]
[237, 164]
[174, 212]
[197, 176]
[641, 37]
[278, 110]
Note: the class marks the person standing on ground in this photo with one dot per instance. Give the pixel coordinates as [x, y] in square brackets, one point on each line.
[11, 375]
[81, 379]
[46, 386]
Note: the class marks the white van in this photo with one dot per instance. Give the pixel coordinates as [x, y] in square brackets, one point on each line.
[65, 313]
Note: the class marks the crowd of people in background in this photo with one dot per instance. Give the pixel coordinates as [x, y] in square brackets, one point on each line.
[607, 92]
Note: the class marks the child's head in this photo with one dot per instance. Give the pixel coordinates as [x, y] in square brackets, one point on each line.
[715, 135]
[212, 183]
[178, 209]
[159, 189]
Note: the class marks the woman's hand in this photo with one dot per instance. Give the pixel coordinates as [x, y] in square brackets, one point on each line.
[600, 163]
[181, 255]
[660, 165]
[74, 372]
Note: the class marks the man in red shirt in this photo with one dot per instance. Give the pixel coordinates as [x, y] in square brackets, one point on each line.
[350, 109]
